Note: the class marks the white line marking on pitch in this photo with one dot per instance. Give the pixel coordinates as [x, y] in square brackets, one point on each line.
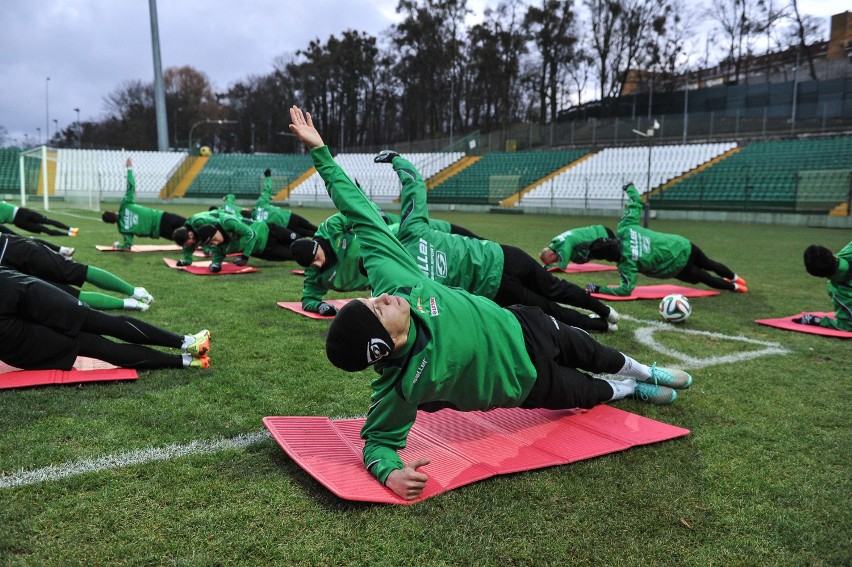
[169, 452]
[137, 457]
[645, 335]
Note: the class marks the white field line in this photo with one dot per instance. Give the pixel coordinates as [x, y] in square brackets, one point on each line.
[137, 457]
[169, 452]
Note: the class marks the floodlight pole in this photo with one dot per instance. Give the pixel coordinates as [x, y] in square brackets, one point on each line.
[47, 110]
[205, 121]
[79, 127]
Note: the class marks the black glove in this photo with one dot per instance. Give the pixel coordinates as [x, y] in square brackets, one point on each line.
[625, 186]
[215, 268]
[385, 156]
[592, 287]
[241, 261]
[267, 172]
[182, 263]
[808, 319]
[327, 310]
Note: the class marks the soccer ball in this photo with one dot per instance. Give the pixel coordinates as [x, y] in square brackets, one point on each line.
[205, 151]
[675, 308]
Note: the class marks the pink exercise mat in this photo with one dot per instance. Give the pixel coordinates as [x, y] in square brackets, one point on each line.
[200, 268]
[141, 248]
[583, 268]
[658, 292]
[84, 370]
[787, 324]
[296, 306]
[464, 447]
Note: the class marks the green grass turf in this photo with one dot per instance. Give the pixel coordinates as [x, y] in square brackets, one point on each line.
[763, 478]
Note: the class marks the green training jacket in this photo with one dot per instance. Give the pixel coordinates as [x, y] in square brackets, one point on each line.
[840, 292]
[450, 259]
[569, 245]
[7, 212]
[267, 212]
[654, 254]
[339, 275]
[462, 350]
[136, 220]
[242, 235]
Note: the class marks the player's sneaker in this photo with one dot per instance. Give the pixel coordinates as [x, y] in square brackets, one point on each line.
[613, 316]
[142, 295]
[740, 288]
[738, 280]
[653, 394]
[668, 377]
[201, 346]
[807, 319]
[385, 156]
[66, 251]
[200, 362]
[73, 231]
[611, 327]
[133, 304]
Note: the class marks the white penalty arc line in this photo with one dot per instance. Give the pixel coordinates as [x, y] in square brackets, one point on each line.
[137, 457]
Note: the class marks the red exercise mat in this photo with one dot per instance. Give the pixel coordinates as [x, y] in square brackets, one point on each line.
[657, 292]
[85, 370]
[200, 268]
[464, 447]
[141, 248]
[583, 268]
[787, 324]
[296, 306]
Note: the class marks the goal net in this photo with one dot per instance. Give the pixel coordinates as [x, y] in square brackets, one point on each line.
[58, 183]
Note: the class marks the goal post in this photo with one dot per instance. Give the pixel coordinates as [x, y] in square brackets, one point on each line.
[72, 181]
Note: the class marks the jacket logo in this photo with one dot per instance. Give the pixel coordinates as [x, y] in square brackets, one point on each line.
[433, 307]
[441, 264]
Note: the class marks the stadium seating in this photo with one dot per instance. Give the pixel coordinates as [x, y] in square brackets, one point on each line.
[10, 173]
[242, 174]
[103, 173]
[766, 175]
[378, 181]
[597, 181]
[501, 174]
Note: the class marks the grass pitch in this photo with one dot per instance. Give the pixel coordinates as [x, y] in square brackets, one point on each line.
[763, 479]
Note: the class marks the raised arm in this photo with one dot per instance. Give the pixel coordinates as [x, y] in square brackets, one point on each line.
[632, 209]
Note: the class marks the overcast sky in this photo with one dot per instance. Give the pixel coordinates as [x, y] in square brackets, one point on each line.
[89, 48]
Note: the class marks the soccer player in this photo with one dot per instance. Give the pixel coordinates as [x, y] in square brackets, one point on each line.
[136, 220]
[66, 251]
[265, 211]
[33, 221]
[435, 346]
[42, 327]
[822, 263]
[573, 245]
[505, 274]
[330, 259]
[229, 234]
[657, 255]
[28, 257]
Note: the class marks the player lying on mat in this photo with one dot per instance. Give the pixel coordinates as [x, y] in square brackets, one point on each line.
[42, 327]
[436, 346]
[822, 263]
[656, 254]
[136, 220]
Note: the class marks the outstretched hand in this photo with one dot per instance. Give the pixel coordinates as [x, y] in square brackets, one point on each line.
[407, 483]
[303, 127]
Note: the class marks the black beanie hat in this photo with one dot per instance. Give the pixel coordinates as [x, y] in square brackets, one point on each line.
[304, 250]
[204, 233]
[356, 339]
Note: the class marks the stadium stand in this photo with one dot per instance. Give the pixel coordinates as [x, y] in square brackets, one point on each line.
[596, 182]
[242, 174]
[102, 172]
[378, 181]
[10, 173]
[802, 174]
[500, 174]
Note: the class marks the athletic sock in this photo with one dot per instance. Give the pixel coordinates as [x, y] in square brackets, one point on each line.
[187, 359]
[106, 280]
[188, 341]
[97, 300]
[634, 369]
[621, 388]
